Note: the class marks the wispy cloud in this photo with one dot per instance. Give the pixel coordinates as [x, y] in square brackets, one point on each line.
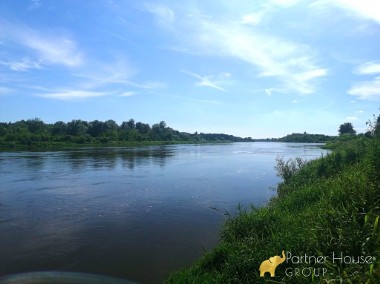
[293, 64]
[22, 65]
[91, 81]
[368, 90]
[252, 19]
[116, 72]
[49, 48]
[164, 15]
[127, 94]
[372, 67]
[35, 4]
[5, 91]
[54, 50]
[208, 81]
[368, 9]
[72, 95]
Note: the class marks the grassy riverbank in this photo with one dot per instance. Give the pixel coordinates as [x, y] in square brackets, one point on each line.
[328, 207]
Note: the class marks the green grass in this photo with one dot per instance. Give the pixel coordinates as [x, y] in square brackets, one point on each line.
[325, 206]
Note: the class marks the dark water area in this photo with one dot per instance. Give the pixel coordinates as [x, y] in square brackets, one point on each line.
[133, 213]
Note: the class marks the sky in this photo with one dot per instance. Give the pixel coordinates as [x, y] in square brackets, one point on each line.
[248, 68]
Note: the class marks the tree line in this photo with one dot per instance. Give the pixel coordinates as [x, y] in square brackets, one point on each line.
[31, 131]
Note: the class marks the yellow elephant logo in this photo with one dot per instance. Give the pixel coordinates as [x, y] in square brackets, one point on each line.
[270, 264]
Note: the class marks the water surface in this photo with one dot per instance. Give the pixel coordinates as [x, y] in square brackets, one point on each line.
[136, 213]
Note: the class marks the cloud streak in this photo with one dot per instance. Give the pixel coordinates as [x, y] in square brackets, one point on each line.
[67, 95]
[368, 9]
[207, 81]
[48, 48]
[367, 90]
[23, 65]
[293, 64]
[372, 67]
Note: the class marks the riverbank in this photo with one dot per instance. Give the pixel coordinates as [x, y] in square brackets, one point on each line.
[327, 208]
[57, 146]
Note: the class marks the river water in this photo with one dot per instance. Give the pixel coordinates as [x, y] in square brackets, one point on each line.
[135, 213]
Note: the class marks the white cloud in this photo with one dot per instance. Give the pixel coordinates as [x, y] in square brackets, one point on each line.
[5, 91]
[54, 50]
[368, 90]
[153, 85]
[372, 67]
[269, 91]
[308, 75]
[286, 3]
[208, 81]
[252, 19]
[367, 9]
[293, 64]
[127, 94]
[164, 16]
[35, 4]
[49, 48]
[72, 95]
[22, 65]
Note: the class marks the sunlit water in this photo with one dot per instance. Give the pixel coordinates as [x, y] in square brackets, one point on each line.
[133, 213]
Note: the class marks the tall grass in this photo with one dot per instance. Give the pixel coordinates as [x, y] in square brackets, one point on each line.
[325, 206]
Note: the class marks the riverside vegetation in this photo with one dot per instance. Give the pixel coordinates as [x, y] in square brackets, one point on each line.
[324, 207]
[35, 134]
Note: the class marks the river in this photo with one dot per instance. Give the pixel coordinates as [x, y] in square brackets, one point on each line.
[136, 213]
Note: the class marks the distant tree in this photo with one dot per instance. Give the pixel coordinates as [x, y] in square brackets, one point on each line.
[156, 132]
[59, 128]
[111, 129]
[35, 125]
[162, 125]
[346, 128]
[131, 123]
[142, 127]
[96, 128]
[77, 127]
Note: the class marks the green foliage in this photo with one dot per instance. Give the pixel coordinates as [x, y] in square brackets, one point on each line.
[346, 128]
[327, 205]
[287, 169]
[34, 132]
[374, 127]
[305, 138]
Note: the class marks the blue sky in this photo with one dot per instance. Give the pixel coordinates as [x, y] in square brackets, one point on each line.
[247, 68]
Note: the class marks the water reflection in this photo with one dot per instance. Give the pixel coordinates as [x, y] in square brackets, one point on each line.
[135, 213]
[109, 157]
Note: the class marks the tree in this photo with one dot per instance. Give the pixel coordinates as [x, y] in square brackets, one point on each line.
[59, 128]
[96, 128]
[346, 128]
[35, 125]
[77, 127]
